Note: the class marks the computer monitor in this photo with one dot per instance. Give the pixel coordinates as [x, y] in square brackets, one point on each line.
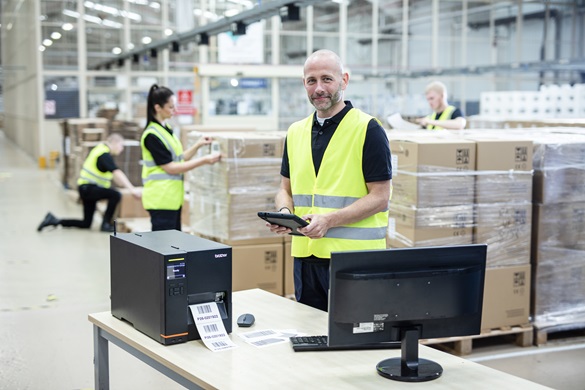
[405, 295]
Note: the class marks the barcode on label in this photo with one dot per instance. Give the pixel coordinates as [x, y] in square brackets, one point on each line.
[204, 309]
[211, 328]
[261, 343]
[259, 334]
[218, 344]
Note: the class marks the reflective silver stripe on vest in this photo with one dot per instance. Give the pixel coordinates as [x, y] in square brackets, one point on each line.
[150, 164]
[355, 233]
[331, 202]
[94, 179]
[162, 176]
[303, 200]
[334, 202]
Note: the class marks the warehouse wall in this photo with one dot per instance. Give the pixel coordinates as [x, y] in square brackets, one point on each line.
[20, 54]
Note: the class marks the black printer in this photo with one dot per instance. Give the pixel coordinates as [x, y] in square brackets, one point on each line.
[155, 276]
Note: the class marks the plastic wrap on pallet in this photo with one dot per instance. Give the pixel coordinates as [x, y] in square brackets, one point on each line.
[503, 186]
[559, 225]
[229, 215]
[506, 228]
[433, 186]
[410, 226]
[559, 168]
[242, 173]
[225, 197]
[559, 287]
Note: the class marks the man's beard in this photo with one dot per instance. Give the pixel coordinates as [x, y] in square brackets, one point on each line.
[325, 105]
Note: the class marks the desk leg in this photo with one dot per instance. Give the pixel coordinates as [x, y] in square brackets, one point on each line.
[101, 360]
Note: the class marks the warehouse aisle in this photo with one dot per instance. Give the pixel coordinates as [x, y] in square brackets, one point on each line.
[50, 281]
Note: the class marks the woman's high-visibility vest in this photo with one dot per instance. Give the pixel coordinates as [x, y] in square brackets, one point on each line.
[340, 182]
[445, 115]
[161, 190]
[90, 174]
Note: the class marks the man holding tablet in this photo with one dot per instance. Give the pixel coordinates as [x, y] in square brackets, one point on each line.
[336, 175]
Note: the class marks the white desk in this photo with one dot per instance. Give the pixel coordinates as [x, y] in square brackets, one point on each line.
[278, 367]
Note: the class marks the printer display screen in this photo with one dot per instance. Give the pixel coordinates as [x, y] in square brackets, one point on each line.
[176, 271]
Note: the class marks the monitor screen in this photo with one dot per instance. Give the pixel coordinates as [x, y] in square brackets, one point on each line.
[405, 295]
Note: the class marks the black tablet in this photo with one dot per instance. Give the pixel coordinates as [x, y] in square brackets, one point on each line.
[291, 221]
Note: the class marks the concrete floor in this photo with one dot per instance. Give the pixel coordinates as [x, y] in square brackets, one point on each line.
[51, 281]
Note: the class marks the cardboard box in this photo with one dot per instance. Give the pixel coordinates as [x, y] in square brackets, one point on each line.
[559, 168]
[429, 172]
[506, 228]
[504, 170]
[433, 226]
[241, 144]
[503, 154]
[560, 225]
[250, 174]
[506, 298]
[492, 187]
[559, 184]
[230, 216]
[258, 266]
[558, 292]
[129, 161]
[130, 207]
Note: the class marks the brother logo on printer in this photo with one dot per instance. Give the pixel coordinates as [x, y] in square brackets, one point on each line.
[220, 255]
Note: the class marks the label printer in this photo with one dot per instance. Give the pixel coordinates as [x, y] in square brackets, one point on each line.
[155, 276]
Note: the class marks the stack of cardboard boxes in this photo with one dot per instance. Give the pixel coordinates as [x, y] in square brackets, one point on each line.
[79, 136]
[559, 230]
[433, 191]
[503, 210]
[226, 197]
[457, 189]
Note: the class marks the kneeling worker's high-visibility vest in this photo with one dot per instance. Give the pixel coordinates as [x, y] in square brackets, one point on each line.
[340, 182]
[161, 190]
[90, 174]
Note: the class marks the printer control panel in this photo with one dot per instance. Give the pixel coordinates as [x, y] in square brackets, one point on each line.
[176, 289]
[176, 274]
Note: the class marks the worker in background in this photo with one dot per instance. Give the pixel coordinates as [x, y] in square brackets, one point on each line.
[335, 173]
[165, 162]
[444, 116]
[94, 184]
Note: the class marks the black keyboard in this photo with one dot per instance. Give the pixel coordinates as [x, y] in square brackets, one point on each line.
[319, 343]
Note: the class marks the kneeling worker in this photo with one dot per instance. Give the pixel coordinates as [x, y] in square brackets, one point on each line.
[444, 116]
[95, 180]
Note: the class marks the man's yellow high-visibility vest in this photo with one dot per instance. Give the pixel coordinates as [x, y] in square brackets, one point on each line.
[90, 174]
[340, 182]
[445, 115]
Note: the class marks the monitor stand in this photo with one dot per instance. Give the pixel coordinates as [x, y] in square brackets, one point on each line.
[409, 368]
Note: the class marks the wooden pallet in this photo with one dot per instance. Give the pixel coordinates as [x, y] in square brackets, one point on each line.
[463, 345]
[542, 333]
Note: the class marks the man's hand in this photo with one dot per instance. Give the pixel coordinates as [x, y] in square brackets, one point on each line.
[278, 229]
[319, 224]
[136, 193]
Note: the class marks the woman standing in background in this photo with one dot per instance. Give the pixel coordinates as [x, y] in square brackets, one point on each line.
[165, 162]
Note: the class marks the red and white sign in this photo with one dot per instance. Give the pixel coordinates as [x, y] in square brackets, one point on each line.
[184, 104]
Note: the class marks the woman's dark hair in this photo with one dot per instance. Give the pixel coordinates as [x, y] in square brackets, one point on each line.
[156, 95]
